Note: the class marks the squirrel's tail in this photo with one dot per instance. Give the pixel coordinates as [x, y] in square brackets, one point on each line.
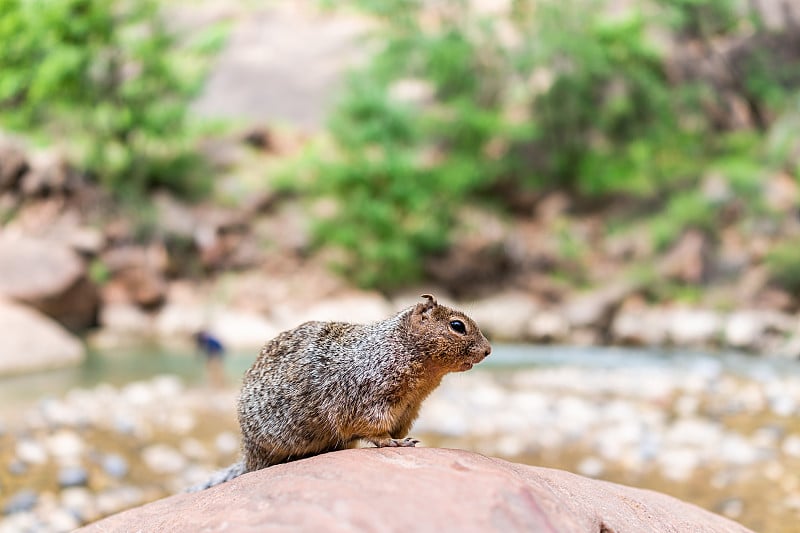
[221, 476]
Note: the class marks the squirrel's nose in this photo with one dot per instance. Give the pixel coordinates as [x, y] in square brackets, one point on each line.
[487, 351]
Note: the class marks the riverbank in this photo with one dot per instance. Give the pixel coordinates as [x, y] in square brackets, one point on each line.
[241, 311]
[718, 432]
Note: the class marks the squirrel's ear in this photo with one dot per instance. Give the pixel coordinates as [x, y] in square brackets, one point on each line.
[425, 308]
[431, 300]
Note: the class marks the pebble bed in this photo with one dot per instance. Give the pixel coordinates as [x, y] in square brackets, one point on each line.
[727, 442]
[71, 460]
[724, 441]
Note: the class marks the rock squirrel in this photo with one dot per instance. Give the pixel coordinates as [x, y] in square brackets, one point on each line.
[323, 386]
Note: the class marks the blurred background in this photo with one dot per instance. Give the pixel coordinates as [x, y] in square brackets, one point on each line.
[609, 187]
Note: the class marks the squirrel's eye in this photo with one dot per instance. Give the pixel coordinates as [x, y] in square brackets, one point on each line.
[458, 326]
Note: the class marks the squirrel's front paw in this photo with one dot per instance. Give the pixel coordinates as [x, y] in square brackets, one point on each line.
[388, 442]
[407, 442]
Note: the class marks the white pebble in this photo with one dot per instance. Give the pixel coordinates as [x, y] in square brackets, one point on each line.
[509, 446]
[31, 452]
[678, 463]
[163, 459]
[591, 467]
[61, 520]
[226, 442]
[194, 449]
[791, 445]
[65, 444]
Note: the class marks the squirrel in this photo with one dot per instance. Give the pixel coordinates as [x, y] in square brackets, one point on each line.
[323, 386]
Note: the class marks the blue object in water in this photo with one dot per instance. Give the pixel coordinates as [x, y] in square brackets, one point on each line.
[208, 344]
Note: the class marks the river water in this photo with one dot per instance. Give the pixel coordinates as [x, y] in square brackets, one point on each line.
[132, 364]
[719, 430]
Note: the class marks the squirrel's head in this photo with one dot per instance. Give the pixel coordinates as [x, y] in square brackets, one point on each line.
[450, 338]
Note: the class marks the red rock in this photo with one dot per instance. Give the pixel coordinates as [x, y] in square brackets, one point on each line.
[32, 341]
[50, 277]
[415, 489]
[137, 275]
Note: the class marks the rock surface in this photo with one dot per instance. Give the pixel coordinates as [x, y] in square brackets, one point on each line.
[423, 489]
[31, 341]
[50, 277]
[243, 86]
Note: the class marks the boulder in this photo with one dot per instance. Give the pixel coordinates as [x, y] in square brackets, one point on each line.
[50, 277]
[356, 307]
[548, 326]
[751, 329]
[744, 329]
[637, 324]
[687, 261]
[504, 316]
[13, 163]
[137, 274]
[415, 489]
[596, 308]
[242, 84]
[693, 327]
[144, 286]
[181, 320]
[49, 174]
[473, 260]
[123, 317]
[86, 240]
[479, 254]
[175, 218]
[31, 341]
[190, 309]
[242, 330]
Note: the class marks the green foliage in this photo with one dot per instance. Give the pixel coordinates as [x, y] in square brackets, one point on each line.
[700, 18]
[782, 262]
[397, 196]
[459, 107]
[783, 142]
[110, 82]
[742, 164]
[610, 116]
[99, 273]
[394, 207]
[684, 210]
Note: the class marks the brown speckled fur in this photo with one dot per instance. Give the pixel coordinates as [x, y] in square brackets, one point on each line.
[322, 386]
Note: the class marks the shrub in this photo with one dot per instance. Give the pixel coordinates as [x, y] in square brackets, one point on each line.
[396, 198]
[782, 262]
[110, 82]
[555, 94]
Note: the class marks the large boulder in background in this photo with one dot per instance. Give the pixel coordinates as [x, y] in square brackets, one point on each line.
[137, 275]
[504, 316]
[50, 277]
[242, 84]
[31, 341]
[416, 489]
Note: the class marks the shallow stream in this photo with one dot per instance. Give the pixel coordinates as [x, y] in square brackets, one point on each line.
[133, 364]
